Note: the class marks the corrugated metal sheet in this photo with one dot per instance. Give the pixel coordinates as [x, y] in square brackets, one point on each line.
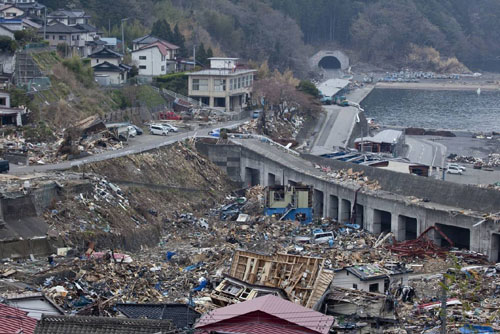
[13, 320]
[275, 306]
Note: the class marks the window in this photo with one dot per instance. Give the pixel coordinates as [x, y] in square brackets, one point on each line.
[354, 286]
[53, 36]
[239, 83]
[200, 84]
[220, 85]
[163, 68]
[142, 58]
[62, 37]
[373, 287]
[142, 67]
[231, 84]
[3, 101]
[97, 60]
[162, 58]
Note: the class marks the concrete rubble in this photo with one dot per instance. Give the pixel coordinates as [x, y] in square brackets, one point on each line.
[224, 250]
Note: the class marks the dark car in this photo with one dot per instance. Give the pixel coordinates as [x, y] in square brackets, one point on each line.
[4, 166]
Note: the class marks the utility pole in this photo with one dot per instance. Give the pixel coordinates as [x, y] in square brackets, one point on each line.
[123, 37]
[194, 55]
[45, 24]
[443, 304]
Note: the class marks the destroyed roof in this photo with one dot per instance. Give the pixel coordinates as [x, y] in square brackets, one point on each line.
[15, 321]
[100, 325]
[183, 316]
[367, 272]
[274, 306]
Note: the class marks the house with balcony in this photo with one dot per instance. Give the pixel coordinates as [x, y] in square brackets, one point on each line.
[225, 85]
[157, 58]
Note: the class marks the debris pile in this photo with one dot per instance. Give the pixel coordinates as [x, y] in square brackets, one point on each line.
[349, 175]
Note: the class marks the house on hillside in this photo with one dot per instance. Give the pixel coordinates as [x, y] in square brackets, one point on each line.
[10, 11]
[9, 115]
[108, 67]
[157, 58]
[224, 85]
[143, 41]
[68, 17]
[266, 314]
[80, 38]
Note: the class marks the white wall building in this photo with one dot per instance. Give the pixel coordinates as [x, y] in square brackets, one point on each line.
[223, 86]
[154, 59]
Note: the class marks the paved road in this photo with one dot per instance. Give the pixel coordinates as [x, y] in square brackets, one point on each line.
[425, 152]
[136, 145]
[338, 124]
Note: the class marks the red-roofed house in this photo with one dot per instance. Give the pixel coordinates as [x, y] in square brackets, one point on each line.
[264, 315]
[15, 321]
[157, 58]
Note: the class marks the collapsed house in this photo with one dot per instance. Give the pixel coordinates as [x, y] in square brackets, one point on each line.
[358, 311]
[304, 279]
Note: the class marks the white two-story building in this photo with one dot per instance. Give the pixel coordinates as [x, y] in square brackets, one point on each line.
[224, 85]
[155, 59]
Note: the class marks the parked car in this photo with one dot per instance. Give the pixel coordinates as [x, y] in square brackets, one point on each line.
[158, 130]
[4, 166]
[317, 237]
[454, 170]
[170, 127]
[137, 129]
[132, 132]
[256, 113]
[462, 168]
[214, 133]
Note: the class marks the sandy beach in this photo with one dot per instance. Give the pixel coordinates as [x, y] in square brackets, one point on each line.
[459, 85]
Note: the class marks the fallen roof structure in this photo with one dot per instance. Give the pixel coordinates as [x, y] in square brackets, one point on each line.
[233, 291]
[303, 278]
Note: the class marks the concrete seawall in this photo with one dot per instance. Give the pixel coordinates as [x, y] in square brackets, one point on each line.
[455, 208]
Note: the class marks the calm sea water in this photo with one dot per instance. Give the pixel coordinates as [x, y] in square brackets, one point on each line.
[457, 110]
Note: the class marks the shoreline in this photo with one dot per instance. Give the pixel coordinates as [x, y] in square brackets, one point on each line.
[465, 86]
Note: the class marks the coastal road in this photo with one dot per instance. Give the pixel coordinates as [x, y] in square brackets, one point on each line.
[338, 124]
[136, 145]
[425, 152]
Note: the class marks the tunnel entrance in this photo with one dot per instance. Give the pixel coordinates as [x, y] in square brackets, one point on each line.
[460, 236]
[330, 63]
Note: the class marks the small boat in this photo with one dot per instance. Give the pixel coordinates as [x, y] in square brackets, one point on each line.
[478, 91]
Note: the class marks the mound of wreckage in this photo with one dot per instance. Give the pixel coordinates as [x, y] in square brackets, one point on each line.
[233, 253]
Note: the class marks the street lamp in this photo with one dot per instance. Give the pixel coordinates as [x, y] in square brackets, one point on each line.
[123, 36]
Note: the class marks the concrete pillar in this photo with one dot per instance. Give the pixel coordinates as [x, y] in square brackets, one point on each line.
[475, 240]
[326, 204]
[397, 227]
[228, 102]
[369, 221]
[211, 101]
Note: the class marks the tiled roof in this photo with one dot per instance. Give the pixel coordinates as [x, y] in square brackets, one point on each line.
[108, 67]
[61, 28]
[182, 315]
[149, 40]
[106, 53]
[13, 320]
[100, 325]
[274, 306]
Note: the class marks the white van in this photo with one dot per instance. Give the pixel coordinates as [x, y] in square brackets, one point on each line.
[158, 130]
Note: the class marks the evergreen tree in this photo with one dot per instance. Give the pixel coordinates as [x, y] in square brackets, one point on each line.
[161, 29]
[210, 53]
[179, 40]
[201, 55]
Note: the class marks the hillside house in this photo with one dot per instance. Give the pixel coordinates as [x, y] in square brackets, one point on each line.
[68, 17]
[108, 67]
[9, 115]
[155, 59]
[224, 85]
[80, 38]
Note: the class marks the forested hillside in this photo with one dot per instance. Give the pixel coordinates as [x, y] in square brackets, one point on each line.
[286, 31]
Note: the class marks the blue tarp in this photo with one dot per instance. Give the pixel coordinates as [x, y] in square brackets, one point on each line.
[475, 329]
